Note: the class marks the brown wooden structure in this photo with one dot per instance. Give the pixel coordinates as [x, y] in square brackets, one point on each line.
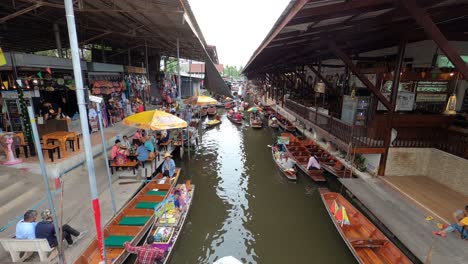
[310, 32]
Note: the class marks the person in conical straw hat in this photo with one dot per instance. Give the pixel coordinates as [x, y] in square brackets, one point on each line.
[168, 166]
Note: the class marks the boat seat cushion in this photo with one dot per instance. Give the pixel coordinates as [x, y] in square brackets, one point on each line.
[146, 205]
[134, 220]
[161, 193]
[117, 241]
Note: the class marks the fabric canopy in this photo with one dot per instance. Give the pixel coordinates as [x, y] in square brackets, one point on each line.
[200, 100]
[154, 120]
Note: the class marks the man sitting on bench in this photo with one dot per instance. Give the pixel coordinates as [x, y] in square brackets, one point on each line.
[45, 229]
[26, 228]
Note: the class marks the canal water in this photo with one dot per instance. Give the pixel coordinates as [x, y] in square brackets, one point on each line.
[244, 207]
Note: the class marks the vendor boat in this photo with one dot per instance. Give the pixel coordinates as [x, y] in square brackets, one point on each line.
[288, 171]
[168, 227]
[301, 156]
[131, 223]
[212, 110]
[366, 242]
[273, 122]
[229, 104]
[212, 123]
[234, 120]
[204, 111]
[255, 122]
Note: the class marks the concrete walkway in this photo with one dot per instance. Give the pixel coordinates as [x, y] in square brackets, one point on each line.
[22, 188]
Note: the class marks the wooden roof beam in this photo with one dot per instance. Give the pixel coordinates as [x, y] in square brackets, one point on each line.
[431, 29]
[340, 54]
[20, 12]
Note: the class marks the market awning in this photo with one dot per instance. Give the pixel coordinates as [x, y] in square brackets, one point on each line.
[303, 33]
[119, 25]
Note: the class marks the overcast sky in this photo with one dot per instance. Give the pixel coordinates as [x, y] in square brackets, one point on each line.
[236, 27]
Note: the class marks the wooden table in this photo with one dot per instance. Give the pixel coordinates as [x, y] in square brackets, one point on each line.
[61, 137]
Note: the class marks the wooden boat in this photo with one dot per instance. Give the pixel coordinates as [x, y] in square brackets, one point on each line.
[285, 124]
[255, 123]
[234, 120]
[301, 156]
[131, 223]
[273, 122]
[289, 173]
[204, 111]
[367, 243]
[229, 104]
[212, 123]
[212, 110]
[175, 228]
[327, 161]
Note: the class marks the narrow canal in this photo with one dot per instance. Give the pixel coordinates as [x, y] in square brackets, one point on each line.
[244, 207]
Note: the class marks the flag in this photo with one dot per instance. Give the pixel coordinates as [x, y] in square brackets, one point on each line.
[2, 58]
[334, 208]
[5, 84]
[20, 84]
[48, 70]
[342, 217]
[39, 74]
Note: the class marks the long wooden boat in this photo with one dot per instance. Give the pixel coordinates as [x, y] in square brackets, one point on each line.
[212, 123]
[234, 120]
[289, 173]
[285, 124]
[204, 111]
[273, 123]
[301, 157]
[175, 228]
[367, 243]
[327, 160]
[229, 104]
[212, 110]
[255, 123]
[131, 223]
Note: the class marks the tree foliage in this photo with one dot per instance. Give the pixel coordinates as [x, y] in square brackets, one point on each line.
[233, 71]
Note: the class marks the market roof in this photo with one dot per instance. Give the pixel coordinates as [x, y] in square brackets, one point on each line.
[303, 33]
[27, 25]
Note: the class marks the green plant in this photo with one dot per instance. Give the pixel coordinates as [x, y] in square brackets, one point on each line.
[360, 162]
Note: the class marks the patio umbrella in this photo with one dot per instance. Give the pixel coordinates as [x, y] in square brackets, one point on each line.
[154, 120]
[254, 109]
[342, 217]
[200, 100]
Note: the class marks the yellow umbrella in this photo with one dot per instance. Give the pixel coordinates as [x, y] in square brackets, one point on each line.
[154, 120]
[200, 100]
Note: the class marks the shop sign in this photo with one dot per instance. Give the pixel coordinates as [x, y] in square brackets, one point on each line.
[431, 97]
[404, 102]
[14, 94]
[283, 140]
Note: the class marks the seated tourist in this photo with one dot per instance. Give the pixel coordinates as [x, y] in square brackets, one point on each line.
[137, 134]
[115, 149]
[126, 143]
[165, 136]
[460, 225]
[313, 163]
[238, 116]
[45, 229]
[148, 144]
[26, 228]
[168, 167]
[146, 254]
[142, 152]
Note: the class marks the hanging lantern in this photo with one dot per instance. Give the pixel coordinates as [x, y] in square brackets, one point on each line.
[451, 105]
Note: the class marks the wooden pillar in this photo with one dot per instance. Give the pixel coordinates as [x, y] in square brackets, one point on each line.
[393, 96]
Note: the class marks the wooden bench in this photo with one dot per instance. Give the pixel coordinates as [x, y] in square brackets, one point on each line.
[16, 246]
[128, 164]
[51, 149]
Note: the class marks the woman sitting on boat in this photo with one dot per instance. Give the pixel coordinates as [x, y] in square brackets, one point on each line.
[314, 163]
[238, 116]
[286, 162]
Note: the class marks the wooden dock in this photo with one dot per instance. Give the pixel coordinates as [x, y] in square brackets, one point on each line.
[406, 220]
[437, 199]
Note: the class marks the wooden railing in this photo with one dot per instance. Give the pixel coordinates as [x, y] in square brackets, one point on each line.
[454, 142]
[358, 135]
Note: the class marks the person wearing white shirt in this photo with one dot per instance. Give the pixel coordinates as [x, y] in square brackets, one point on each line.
[26, 228]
